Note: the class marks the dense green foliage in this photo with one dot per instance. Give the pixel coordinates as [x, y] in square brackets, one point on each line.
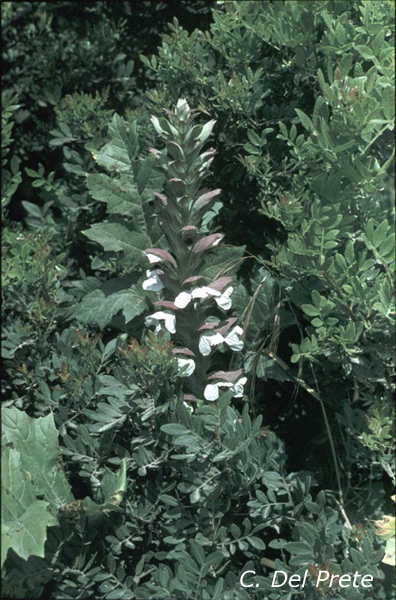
[141, 482]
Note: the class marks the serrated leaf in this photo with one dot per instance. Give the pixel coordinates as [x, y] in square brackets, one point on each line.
[30, 468]
[120, 152]
[27, 532]
[37, 442]
[122, 197]
[224, 261]
[118, 238]
[148, 179]
[98, 308]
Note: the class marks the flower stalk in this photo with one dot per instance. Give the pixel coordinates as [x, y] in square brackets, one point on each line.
[192, 307]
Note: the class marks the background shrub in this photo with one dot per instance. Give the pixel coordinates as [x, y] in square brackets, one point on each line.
[303, 98]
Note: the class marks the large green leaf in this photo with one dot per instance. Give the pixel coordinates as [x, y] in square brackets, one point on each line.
[34, 486]
[121, 195]
[98, 308]
[116, 237]
[36, 440]
[120, 151]
[128, 193]
[24, 518]
[127, 190]
[148, 179]
[225, 261]
[30, 469]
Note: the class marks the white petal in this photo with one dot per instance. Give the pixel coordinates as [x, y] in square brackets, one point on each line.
[153, 283]
[204, 346]
[211, 392]
[182, 299]
[208, 340]
[157, 316]
[232, 339]
[204, 292]
[238, 330]
[190, 363]
[238, 387]
[170, 323]
[225, 301]
[153, 258]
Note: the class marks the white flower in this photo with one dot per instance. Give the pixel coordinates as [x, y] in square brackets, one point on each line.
[232, 339]
[238, 386]
[153, 283]
[190, 363]
[212, 338]
[184, 298]
[224, 301]
[211, 391]
[156, 318]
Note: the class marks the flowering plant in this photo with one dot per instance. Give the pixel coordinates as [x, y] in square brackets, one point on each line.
[193, 306]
